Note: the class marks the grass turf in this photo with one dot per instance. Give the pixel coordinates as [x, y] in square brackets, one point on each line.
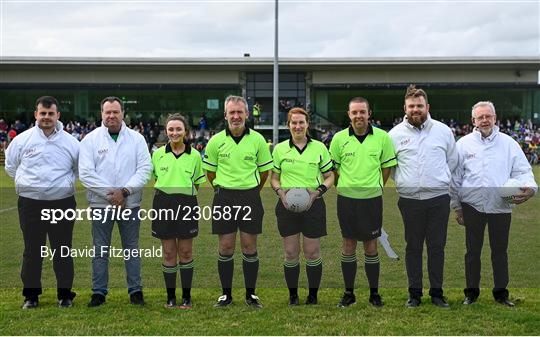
[117, 317]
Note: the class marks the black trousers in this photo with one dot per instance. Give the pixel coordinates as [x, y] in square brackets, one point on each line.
[499, 231]
[425, 220]
[35, 232]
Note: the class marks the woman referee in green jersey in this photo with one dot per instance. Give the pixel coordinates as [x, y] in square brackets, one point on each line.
[302, 162]
[178, 173]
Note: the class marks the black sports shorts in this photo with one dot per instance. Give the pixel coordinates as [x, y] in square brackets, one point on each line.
[311, 223]
[360, 219]
[175, 216]
[237, 210]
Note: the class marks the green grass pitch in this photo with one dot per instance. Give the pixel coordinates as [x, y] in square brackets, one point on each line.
[118, 317]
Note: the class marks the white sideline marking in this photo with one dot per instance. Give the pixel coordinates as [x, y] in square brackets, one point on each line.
[8, 209]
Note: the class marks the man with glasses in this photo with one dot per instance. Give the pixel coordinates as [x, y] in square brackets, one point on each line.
[114, 166]
[487, 160]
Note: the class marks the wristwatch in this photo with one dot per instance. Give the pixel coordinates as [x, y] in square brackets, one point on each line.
[125, 192]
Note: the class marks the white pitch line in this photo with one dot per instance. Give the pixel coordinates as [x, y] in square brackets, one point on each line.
[8, 209]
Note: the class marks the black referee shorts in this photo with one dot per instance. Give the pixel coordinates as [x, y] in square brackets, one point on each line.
[360, 219]
[170, 224]
[311, 223]
[237, 210]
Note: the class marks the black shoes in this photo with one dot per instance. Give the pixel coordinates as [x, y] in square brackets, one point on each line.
[294, 301]
[65, 303]
[376, 300]
[171, 303]
[505, 301]
[186, 303]
[413, 302]
[311, 300]
[253, 301]
[469, 300]
[30, 303]
[96, 300]
[440, 302]
[347, 300]
[137, 298]
[66, 300]
[223, 301]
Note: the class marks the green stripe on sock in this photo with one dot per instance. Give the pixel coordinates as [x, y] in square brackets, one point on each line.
[348, 258]
[188, 265]
[291, 264]
[225, 258]
[167, 269]
[250, 258]
[314, 263]
[372, 259]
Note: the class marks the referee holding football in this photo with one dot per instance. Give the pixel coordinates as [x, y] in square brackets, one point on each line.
[178, 173]
[237, 161]
[477, 202]
[299, 163]
[363, 156]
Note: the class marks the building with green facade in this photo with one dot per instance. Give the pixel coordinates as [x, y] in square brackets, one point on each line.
[154, 87]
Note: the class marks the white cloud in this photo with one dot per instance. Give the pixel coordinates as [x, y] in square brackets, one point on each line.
[307, 28]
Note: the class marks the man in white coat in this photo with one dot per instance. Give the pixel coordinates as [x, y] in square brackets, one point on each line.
[426, 155]
[114, 166]
[487, 160]
[43, 162]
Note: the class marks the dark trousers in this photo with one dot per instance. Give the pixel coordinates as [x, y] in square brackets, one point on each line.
[425, 220]
[499, 231]
[35, 232]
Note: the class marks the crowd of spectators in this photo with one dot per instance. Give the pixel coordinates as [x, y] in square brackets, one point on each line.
[524, 132]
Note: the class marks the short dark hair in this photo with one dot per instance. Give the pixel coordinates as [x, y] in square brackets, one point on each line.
[412, 91]
[46, 102]
[112, 99]
[359, 99]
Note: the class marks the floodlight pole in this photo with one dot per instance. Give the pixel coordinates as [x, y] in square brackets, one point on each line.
[275, 109]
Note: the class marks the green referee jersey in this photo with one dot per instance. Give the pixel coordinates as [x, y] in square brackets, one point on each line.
[359, 161]
[301, 168]
[177, 174]
[237, 161]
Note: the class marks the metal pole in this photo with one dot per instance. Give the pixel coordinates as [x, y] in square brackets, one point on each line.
[275, 110]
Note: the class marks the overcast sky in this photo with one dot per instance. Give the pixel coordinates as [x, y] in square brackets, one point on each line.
[222, 28]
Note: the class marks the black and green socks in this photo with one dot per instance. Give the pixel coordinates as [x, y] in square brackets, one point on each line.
[348, 268]
[250, 265]
[169, 274]
[186, 277]
[225, 271]
[314, 274]
[372, 266]
[291, 270]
